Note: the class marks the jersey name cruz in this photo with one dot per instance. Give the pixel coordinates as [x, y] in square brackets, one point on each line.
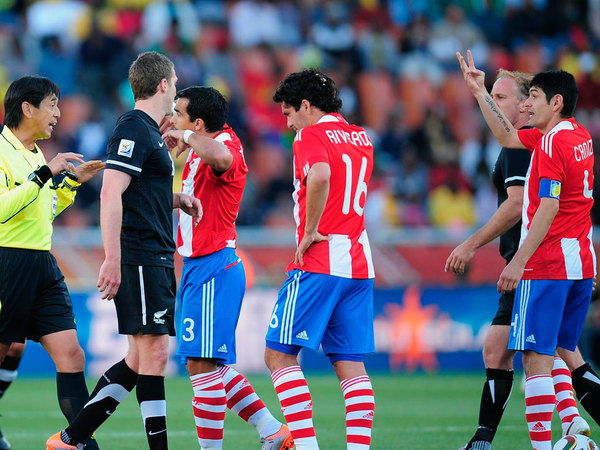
[358, 138]
[583, 150]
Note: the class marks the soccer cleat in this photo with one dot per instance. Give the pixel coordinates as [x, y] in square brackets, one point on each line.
[55, 442]
[578, 426]
[282, 440]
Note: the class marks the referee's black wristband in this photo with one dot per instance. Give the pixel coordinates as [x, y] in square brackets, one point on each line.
[44, 174]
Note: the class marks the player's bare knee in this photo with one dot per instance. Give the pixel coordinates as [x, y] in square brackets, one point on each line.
[77, 356]
[277, 360]
[16, 350]
[498, 358]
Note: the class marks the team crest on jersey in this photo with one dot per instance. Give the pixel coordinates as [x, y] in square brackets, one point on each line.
[126, 148]
[554, 189]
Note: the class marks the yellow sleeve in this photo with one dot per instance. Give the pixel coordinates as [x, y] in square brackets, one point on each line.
[66, 192]
[13, 201]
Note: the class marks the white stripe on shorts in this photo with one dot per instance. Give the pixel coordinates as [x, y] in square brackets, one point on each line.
[208, 300]
[287, 318]
[523, 303]
[142, 294]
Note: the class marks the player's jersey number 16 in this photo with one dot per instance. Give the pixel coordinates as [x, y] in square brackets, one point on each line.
[361, 186]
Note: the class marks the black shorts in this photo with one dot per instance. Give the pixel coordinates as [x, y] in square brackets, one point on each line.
[505, 307]
[145, 301]
[34, 300]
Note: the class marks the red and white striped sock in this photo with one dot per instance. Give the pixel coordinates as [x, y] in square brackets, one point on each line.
[539, 404]
[563, 388]
[209, 405]
[243, 401]
[296, 405]
[360, 407]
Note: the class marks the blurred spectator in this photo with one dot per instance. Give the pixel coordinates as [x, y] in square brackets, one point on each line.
[450, 200]
[456, 33]
[161, 18]
[333, 33]
[58, 63]
[102, 65]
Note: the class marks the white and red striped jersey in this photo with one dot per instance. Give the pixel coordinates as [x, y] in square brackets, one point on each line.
[564, 154]
[349, 152]
[220, 195]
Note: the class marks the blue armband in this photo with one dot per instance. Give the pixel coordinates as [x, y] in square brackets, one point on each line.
[549, 188]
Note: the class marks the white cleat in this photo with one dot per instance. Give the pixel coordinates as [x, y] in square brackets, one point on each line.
[578, 426]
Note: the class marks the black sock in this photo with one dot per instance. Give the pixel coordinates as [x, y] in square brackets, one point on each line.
[113, 386]
[586, 384]
[495, 395]
[8, 372]
[72, 396]
[150, 391]
[72, 393]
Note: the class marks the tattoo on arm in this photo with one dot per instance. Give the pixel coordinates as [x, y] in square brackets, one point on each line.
[495, 109]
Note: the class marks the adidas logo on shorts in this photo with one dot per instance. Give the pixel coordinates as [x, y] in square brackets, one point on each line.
[302, 335]
[530, 339]
[222, 349]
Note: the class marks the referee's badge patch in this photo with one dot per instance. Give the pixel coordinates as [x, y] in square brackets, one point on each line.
[126, 148]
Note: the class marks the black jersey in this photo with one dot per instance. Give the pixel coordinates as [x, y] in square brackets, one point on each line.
[510, 170]
[136, 147]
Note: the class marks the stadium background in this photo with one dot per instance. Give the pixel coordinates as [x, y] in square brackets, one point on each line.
[397, 74]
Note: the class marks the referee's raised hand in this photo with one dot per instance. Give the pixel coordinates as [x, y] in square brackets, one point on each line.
[62, 162]
[88, 169]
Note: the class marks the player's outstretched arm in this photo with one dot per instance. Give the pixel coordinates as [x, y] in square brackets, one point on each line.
[500, 126]
[505, 217]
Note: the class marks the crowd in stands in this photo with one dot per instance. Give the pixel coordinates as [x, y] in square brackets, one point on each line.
[393, 61]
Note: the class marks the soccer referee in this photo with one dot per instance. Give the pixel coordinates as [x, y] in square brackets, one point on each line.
[34, 300]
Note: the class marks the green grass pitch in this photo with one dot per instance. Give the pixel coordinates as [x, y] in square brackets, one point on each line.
[412, 411]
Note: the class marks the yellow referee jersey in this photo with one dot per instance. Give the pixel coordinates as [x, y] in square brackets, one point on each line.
[26, 210]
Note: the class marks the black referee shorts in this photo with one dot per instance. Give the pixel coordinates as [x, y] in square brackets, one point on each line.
[145, 301]
[505, 307]
[34, 300]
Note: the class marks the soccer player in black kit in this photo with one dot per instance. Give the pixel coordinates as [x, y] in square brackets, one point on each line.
[137, 230]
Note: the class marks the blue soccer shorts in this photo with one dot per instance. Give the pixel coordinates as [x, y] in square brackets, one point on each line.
[211, 292]
[548, 314]
[314, 309]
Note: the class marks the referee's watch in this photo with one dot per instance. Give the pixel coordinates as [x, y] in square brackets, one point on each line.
[40, 176]
[33, 177]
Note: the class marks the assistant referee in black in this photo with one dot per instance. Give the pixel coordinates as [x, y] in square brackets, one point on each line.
[34, 300]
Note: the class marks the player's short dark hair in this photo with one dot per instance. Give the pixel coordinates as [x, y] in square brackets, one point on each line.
[208, 104]
[147, 71]
[554, 82]
[32, 89]
[312, 85]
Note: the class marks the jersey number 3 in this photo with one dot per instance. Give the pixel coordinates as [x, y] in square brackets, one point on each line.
[361, 187]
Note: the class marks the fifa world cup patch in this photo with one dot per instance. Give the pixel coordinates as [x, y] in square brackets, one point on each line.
[549, 188]
[126, 148]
